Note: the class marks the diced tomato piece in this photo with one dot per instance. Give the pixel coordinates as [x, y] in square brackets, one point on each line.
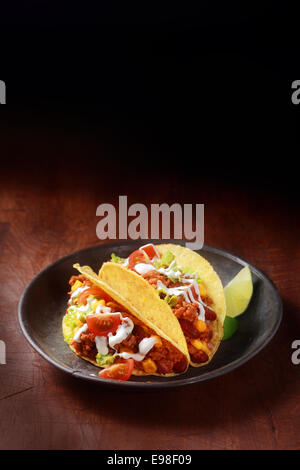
[103, 323]
[138, 256]
[149, 250]
[96, 291]
[122, 370]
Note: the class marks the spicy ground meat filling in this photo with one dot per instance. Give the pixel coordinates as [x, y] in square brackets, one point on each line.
[80, 278]
[187, 314]
[87, 346]
[166, 357]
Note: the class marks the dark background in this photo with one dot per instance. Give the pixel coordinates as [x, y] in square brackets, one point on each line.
[206, 83]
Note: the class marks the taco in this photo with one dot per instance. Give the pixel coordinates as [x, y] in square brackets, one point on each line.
[185, 281]
[104, 328]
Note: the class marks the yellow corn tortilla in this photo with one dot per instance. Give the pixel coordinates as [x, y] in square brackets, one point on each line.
[187, 258]
[108, 280]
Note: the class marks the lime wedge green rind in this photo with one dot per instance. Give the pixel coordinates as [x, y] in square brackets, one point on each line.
[238, 293]
[230, 327]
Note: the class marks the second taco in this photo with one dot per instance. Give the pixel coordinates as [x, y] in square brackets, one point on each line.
[187, 284]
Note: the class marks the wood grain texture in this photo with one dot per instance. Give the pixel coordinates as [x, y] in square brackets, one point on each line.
[49, 210]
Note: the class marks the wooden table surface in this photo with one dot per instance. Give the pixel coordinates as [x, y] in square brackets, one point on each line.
[47, 210]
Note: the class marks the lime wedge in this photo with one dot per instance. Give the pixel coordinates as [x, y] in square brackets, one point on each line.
[230, 327]
[238, 293]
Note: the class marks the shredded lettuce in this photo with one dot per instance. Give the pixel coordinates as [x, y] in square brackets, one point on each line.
[170, 299]
[175, 278]
[116, 259]
[165, 260]
[161, 291]
[81, 315]
[73, 315]
[70, 324]
[188, 270]
[105, 360]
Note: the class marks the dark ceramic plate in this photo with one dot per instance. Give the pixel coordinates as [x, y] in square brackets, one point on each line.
[44, 302]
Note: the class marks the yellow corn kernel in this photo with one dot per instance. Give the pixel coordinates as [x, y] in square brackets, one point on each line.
[200, 325]
[149, 366]
[76, 285]
[78, 323]
[202, 289]
[96, 303]
[158, 343]
[198, 344]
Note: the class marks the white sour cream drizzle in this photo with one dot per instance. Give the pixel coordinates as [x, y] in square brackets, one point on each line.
[186, 291]
[143, 268]
[78, 333]
[85, 308]
[76, 293]
[169, 272]
[123, 331]
[188, 278]
[144, 347]
[102, 309]
[101, 345]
